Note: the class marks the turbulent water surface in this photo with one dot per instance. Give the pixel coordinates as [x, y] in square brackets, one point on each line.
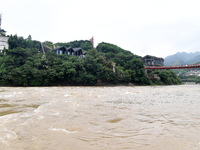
[100, 118]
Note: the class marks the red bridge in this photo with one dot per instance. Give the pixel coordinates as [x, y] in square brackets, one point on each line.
[172, 67]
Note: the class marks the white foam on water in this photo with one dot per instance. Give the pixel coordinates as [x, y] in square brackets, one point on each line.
[100, 96]
[127, 92]
[40, 108]
[7, 135]
[40, 117]
[9, 117]
[4, 143]
[63, 130]
[67, 95]
[10, 95]
[56, 109]
[2, 140]
[55, 113]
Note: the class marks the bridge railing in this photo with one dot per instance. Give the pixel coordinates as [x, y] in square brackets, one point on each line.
[173, 67]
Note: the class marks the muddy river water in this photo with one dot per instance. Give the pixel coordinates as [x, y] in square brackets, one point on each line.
[100, 118]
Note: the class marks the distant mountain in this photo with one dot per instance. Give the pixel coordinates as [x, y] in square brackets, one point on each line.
[182, 58]
[194, 60]
[178, 62]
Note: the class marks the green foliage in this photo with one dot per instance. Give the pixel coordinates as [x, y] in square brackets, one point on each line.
[17, 66]
[107, 47]
[130, 68]
[168, 77]
[29, 38]
[84, 44]
[49, 44]
[2, 33]
[19, 42]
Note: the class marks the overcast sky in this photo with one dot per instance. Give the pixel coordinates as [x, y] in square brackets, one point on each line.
[153, 27]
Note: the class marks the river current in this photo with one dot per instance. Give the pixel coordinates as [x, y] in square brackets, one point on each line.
[100, 118]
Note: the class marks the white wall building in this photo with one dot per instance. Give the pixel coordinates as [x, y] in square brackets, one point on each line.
[3, 43]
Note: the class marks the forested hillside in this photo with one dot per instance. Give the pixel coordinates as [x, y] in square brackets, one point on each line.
[22, 65]
[126, 62]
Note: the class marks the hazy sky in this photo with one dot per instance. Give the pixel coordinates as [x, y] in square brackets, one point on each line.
[154, 27]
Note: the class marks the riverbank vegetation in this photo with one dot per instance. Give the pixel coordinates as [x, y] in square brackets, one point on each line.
[22, 65]
[166, 77]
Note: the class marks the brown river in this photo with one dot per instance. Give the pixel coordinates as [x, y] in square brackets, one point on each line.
[100, 118]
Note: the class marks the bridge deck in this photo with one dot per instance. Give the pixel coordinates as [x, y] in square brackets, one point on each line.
[172, 67]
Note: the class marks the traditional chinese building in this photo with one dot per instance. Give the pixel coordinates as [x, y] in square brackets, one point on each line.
[63, 50]
[153, 61]
[69, 51]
